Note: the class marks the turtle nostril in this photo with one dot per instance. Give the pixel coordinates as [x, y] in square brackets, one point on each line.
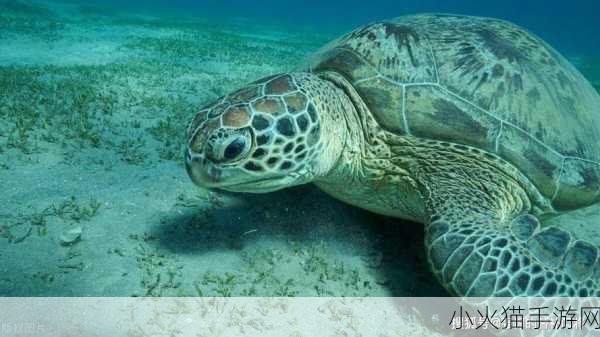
[235, 148]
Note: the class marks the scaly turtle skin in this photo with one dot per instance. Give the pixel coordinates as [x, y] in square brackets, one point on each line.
[472, 126]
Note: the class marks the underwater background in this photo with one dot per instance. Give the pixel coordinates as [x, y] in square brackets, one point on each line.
[95, 97]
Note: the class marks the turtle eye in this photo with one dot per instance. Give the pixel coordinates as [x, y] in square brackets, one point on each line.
[229, 146]
[235, 148]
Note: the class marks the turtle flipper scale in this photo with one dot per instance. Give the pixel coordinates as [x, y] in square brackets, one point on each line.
[483, 255]
[483, 235]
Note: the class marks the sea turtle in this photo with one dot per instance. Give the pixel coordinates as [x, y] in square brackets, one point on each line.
[472, 126]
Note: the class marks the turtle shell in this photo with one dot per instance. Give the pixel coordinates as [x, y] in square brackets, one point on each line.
[481, 82]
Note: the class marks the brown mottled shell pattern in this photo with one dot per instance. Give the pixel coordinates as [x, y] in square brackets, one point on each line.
[480, 82]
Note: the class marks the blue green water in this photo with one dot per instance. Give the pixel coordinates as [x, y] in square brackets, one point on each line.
[94, 101]
[571, 26]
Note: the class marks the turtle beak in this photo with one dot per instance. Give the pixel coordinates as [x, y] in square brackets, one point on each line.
[207, 174]
[202, 172]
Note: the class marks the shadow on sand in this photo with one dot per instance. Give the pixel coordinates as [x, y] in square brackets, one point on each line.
[393, 248]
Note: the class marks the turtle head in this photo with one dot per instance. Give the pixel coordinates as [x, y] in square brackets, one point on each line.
[266, 136]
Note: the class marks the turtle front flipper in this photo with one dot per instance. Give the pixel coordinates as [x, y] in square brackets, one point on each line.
[479, 253]
[483, 235]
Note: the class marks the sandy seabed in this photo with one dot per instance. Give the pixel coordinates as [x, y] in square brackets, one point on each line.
[95, 201]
